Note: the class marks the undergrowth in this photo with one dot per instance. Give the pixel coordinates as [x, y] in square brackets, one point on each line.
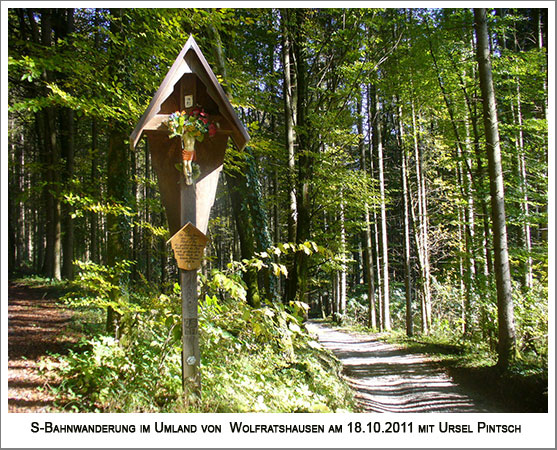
[477, 348]
[253, 360]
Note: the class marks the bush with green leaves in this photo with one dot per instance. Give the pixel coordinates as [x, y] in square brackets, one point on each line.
[139, 372]
[263, 360]
[252, 360]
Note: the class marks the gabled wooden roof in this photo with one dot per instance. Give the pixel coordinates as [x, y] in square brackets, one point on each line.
[191, 60]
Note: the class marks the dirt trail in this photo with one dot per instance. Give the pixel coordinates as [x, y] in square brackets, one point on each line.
[387, 378]
[36, 326]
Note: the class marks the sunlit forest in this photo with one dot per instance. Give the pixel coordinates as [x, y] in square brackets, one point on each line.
[395, 182]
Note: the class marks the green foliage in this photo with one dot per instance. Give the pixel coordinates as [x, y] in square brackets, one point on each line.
[102, 287]
[420, 61]
[262, 360]
[532, 322]
[141, 372]
[479, 345]
[264, 260]
[253, 360]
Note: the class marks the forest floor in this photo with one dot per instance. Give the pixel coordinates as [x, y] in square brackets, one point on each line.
[389, 378]
[384, 376]
[37, 327]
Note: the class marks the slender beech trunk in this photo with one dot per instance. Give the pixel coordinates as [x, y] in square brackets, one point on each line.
[367, 239]
[470, 253]
[136, 239]
[67, 144]
[298, 287]
[52, 260]
[148, 216]
[94, 252]
[421, 234]
[406, 219]
[524, 207]
[375, 233]
[334, 296]
[93, 217]
[118, 237]
[464, 272]
[118, 230]
[290, 116]
[290, 112]
[507, 339]
[13, 210]
[378, 145]
[342, 274]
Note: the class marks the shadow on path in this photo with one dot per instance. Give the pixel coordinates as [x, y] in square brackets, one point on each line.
[37, 327]
[386, 378]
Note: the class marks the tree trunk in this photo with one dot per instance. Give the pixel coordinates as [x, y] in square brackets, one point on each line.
[67, 144]
[378, 145]
[507, 340]
[375, 234]
[470, 233]
[118, 229]
[421, 234]
[64, 27]
[406, 219]
[367, 239]
[298, 282]
[524, 207]
[147, 193]
[290, 112]
[342, 281]
[52, 260]
[93, 218]
[94, 252]
[135, 250]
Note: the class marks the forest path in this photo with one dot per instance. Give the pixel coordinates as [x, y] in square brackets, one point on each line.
[387, 378]
[37, 326]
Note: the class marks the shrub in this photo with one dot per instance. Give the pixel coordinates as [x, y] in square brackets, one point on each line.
[252, 360]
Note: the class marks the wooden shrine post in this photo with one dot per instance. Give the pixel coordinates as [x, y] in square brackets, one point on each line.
[190, 83]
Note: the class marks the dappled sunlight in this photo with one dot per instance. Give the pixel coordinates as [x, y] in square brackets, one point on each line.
[390, 379]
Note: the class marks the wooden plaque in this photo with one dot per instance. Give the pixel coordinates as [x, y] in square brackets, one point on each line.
[188, 245]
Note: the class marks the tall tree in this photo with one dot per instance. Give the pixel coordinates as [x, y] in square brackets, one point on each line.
[67, 133]
[367, 237]
[290, 113]
[118, 241]
[507, 339]
[378, 147]
[299, 274]
[51, 156]
[406, 219]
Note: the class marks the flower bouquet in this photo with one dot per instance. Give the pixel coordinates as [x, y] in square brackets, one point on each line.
[190, 126]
